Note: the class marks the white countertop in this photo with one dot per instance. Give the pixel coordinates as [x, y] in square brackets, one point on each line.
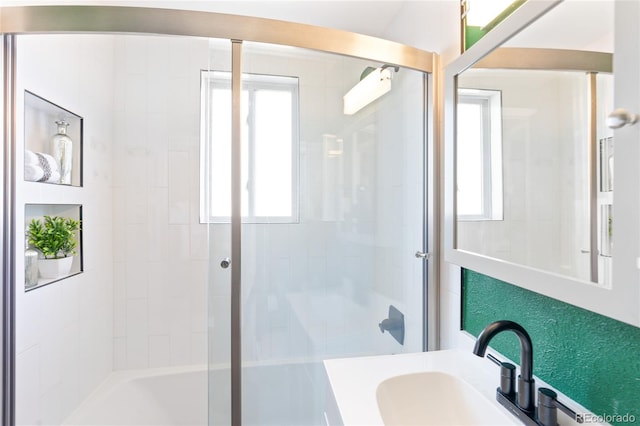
[354, 382]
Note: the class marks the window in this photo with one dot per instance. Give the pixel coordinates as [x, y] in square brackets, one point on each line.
[270, 143]
[479, 155]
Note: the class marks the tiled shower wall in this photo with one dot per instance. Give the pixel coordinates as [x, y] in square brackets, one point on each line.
[160, 256]
[64, 330]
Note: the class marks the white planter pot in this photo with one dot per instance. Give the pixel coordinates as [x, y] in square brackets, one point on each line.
[55, 268]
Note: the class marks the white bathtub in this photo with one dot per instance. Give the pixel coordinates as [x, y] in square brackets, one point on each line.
[274, 394]
[167, 396]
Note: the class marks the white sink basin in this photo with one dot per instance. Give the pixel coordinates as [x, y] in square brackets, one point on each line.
[434, 398]
[430, 388]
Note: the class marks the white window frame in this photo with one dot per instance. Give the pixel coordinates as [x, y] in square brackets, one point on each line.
[250, 83]
[491, 140]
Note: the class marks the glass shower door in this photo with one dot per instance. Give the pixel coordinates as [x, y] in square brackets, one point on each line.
[323, 238]
[332, 212]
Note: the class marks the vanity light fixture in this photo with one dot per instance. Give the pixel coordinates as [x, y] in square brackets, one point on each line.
[370, 87]
[483, 13]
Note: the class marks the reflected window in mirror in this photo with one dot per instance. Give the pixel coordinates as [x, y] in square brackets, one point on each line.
[479, 170]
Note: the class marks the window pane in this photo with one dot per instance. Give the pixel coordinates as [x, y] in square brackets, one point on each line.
[244, 153]
[273, 153]
[221, 152]
[469, 157]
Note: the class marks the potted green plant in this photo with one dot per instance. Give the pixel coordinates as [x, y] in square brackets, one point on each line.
[55, 238]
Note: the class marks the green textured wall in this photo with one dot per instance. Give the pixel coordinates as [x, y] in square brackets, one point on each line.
[593, 359]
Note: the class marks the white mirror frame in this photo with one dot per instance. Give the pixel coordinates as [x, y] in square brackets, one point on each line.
[622, 301]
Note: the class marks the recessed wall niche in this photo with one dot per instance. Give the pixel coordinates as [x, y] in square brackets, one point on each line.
[53, 142]
[47, 274]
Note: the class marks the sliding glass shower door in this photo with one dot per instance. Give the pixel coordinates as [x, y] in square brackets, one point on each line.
[332, 212]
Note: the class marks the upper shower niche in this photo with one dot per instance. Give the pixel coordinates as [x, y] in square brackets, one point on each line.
[53, 143]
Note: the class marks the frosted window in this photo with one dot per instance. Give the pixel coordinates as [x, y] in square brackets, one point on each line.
[479, 155]
[269, 119]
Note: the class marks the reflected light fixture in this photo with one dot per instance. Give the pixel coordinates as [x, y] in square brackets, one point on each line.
[370, 87]
[483, 12]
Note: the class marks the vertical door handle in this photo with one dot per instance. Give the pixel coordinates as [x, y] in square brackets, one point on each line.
[423, 255]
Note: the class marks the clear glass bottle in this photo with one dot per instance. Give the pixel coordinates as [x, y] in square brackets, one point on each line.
[62, 152]
[30, 266]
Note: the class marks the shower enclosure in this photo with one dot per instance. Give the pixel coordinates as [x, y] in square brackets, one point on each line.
[237, 226]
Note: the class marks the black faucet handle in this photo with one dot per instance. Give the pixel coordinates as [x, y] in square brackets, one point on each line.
[507, 376]
[495, 360]
[547, 405]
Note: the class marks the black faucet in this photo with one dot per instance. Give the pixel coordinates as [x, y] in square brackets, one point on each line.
[522, 403]
[526, 384]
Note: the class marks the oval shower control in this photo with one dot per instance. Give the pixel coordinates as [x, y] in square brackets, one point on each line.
[224, 264]
[620, 117]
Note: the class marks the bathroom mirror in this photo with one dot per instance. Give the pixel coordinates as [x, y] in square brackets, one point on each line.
[529, 158]
[531, 142]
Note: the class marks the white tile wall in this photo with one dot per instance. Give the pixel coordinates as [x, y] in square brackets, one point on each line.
[64, 330]
[159, 305]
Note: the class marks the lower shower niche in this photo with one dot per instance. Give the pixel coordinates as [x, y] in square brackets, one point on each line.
[53, 243]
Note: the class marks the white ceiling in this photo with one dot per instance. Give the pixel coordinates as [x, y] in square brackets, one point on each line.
[573, 24]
